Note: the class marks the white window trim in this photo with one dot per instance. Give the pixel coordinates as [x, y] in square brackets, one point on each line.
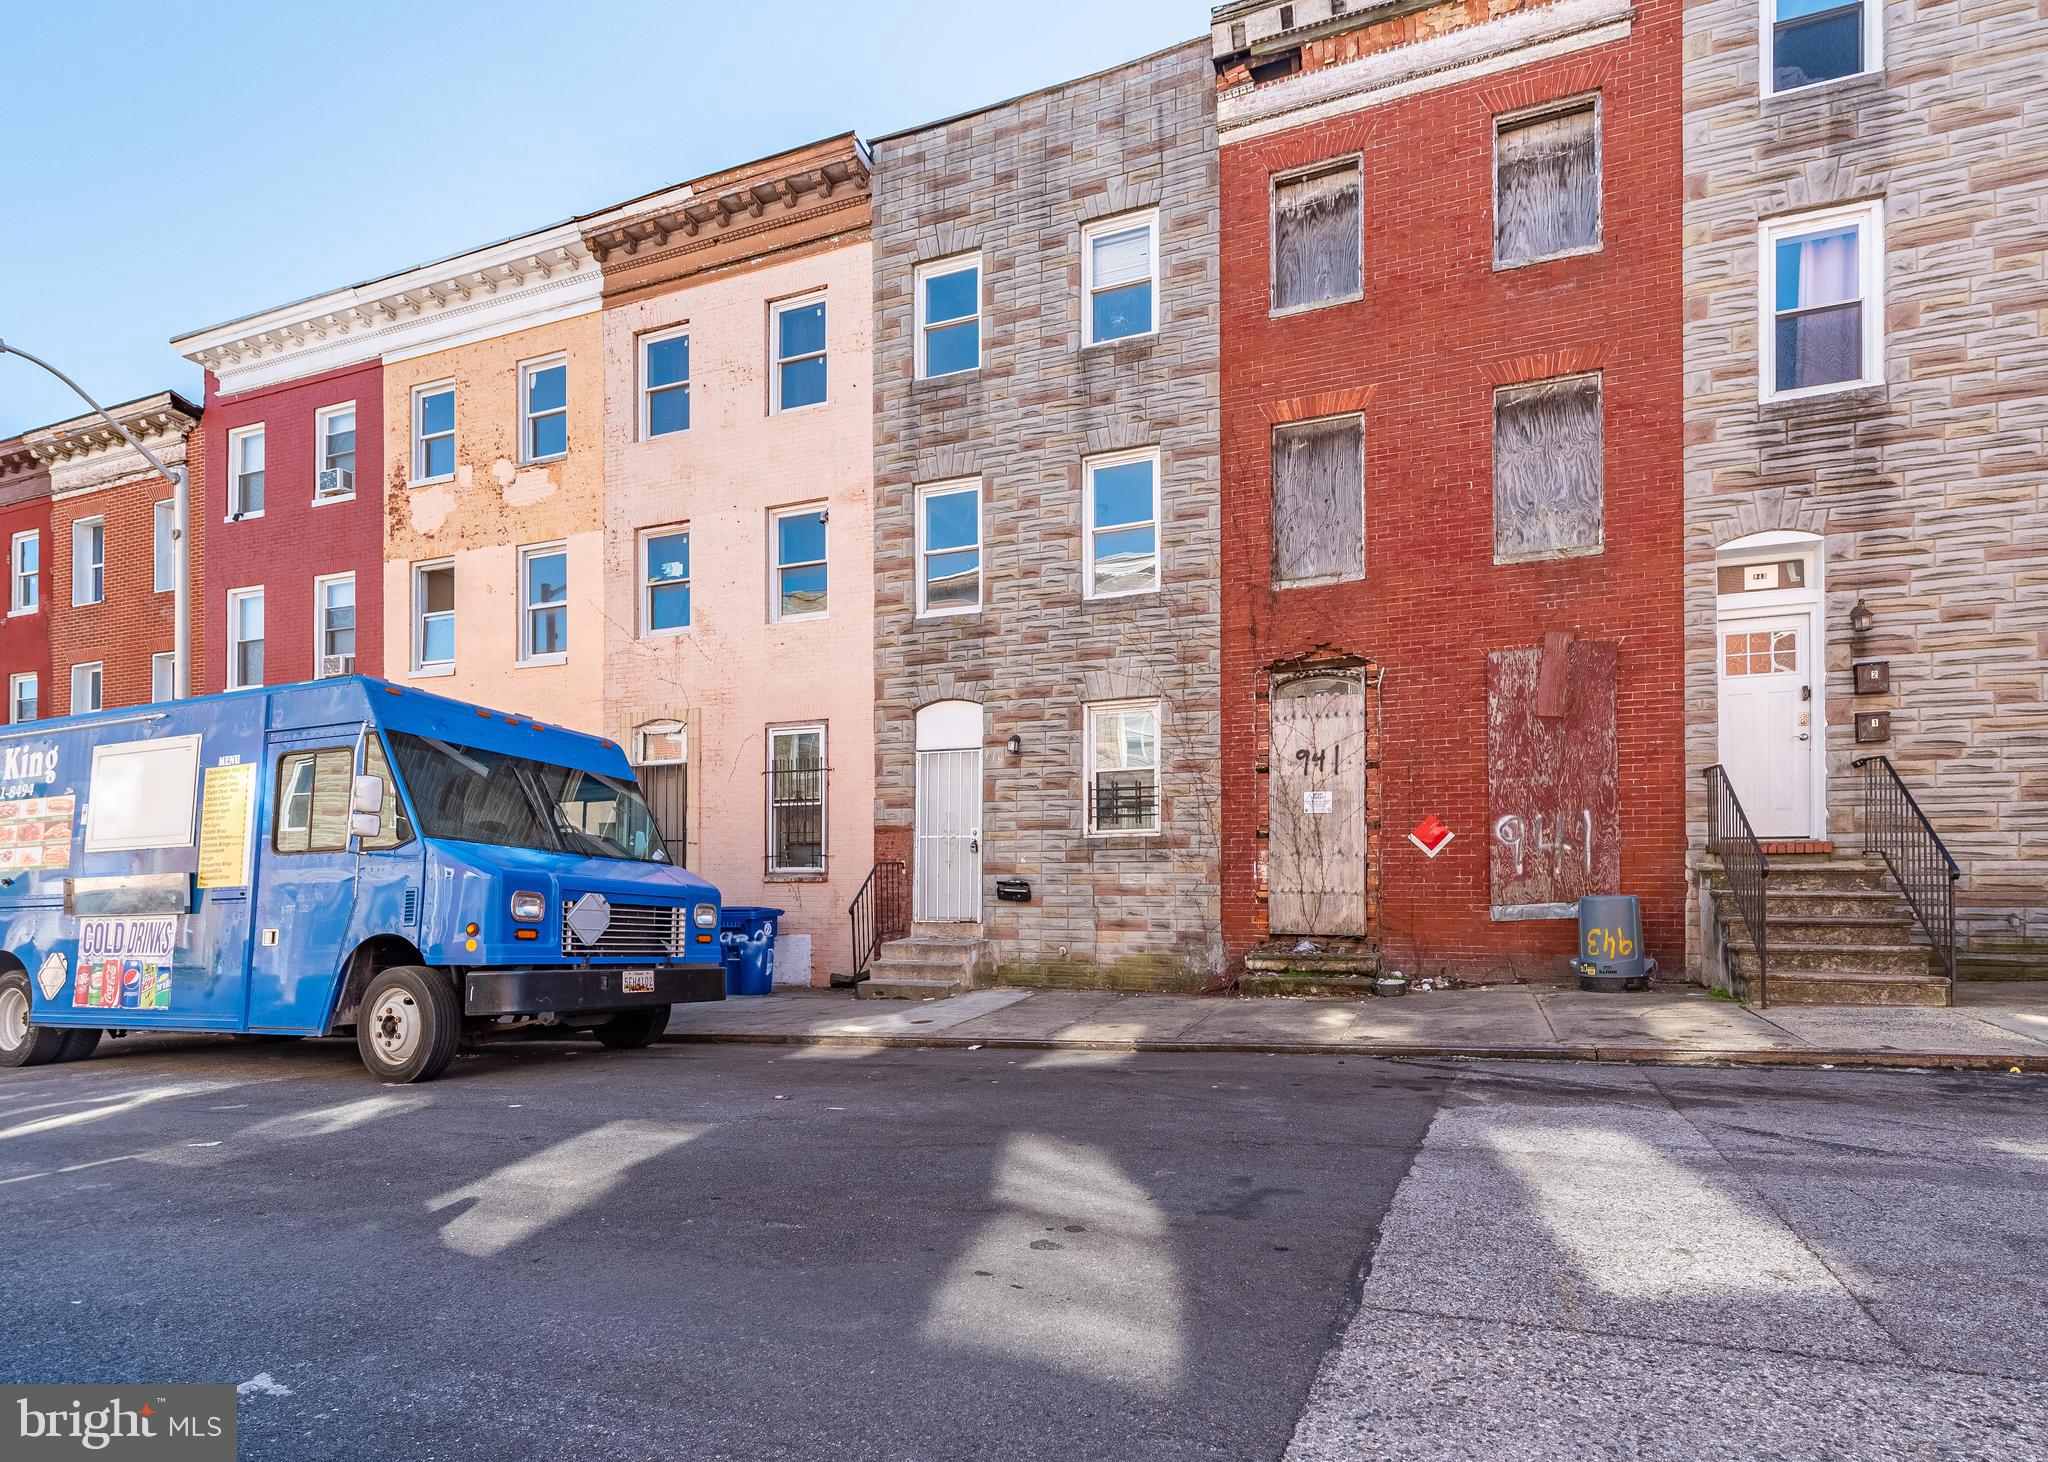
[14, 573]
[235, 598]
[647, 585]
[1089, 711]
[1346, 162]
[1767, 62]
[1148, 218]
[1089, 467]
[948, 489]
[824, 800]
[1563, 106]
[776, 360]
[320, 615]
[320, 419]
[419, 442]
[99, 671]
[235, 439]
[420, 666]
[14, 684]
[527, 370]
[776, 565]
[155, 509]
[168, 659]
[78, 579]
[652, 338]
[527, 555]
[939, 269]
[1869, 218]
[677, 729]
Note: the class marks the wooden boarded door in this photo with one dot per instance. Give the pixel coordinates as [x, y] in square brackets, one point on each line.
[1316, 855]
[1552, 776]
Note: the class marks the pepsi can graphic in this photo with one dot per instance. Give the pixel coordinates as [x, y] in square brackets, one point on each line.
[131, 987]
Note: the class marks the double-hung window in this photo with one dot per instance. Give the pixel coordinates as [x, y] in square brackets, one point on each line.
[163, 677]
[665, 595]
[25, 594]
[334, 453]
[796, 799]
[433, 617]
[1123, 767]
[1811, 41]
[164, 539]
[1318, 236]
[1822, 301]
[245, 473]
[1546, 185]
[433, 433]
[23, 697]
[798, 331]
[799, 538]
[245, 638]
[334, 625]
[664, 383]
[949, 548]
[543, 410]
[88, 561]
[87, 682]
[949, 317]
[543, 604]
[1120, 545]
[1119, 278]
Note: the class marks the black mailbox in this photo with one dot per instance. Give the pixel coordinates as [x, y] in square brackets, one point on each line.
[1013, 890]
[1873, 726]
[1873, 677]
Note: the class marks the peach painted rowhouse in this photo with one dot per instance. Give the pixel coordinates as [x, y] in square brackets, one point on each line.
[738, 609]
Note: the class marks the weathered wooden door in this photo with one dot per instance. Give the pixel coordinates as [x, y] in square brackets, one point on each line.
[1316, 857]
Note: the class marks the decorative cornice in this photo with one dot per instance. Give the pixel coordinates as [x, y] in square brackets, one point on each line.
[85, 453]
[692, 216]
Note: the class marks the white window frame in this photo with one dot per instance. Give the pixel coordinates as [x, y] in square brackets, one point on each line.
[939, 269]
[776, 565]
[1869, 219]
[1089, 467]
[163, 546]
[1767, 60]
[677, 729]
[163, 673]
[17, 576]
[96, 670]
[236, 598]
[1149, 218]
[420, 664]
[777, 360]
[1351, 162]
[824, 863]
[236, 438]
[14, 685]
[320, 420]
[527, 370]
[641, 347]
[648, 584]
[527, 656]
[96, 568]
[1089, 711]
[419, 438]
[954, 487]
[320, 587]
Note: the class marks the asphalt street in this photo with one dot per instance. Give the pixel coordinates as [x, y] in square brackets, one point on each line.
[760, 1252]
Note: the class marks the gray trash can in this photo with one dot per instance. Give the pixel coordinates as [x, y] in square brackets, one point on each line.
[1610, 953]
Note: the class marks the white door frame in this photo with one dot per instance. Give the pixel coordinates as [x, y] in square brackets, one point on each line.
[1809, 600]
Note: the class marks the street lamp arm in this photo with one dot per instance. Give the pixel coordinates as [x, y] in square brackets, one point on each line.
[169, 473]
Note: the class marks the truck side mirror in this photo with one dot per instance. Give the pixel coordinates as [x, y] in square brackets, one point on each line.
[364, 824]
[367, 795]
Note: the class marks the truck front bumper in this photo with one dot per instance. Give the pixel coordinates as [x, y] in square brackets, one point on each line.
[575, 988]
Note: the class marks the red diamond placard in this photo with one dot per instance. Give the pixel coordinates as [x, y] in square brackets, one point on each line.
[1431, 835]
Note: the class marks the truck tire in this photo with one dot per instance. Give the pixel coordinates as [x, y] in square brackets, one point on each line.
[22, 1041]
[633, 1030]
[408, 1024]
[79, 1044]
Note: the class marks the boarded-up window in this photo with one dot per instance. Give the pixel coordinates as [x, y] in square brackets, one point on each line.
[1547, 469]
[1547, 186]
[1319, 500]
[1316, 230]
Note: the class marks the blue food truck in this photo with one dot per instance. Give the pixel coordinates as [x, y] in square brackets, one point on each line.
[340, 855]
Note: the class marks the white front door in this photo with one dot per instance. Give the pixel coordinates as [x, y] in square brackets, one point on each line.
[1768, 721]
[949, 836]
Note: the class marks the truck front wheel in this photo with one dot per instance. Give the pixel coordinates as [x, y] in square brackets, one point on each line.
[22, 1041]
[408, 1024]
[632, 1030]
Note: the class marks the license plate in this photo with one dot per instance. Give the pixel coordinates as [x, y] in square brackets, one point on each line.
[638, 982]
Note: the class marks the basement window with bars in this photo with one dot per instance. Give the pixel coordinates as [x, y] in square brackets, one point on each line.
[1319, 501]
[1546, 191]
[796, 799]
[1548, 470]
[1318, 247]
[1123, 767]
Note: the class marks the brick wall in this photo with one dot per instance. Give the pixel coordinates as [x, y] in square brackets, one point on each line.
[133, 622]
[24, 508]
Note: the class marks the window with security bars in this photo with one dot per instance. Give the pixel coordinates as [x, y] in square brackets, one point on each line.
[796, 799]
[1548, 469]
[1317, 237]
[1546, 195]
[1123, 767]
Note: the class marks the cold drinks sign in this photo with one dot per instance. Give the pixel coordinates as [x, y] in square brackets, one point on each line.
[125, 964]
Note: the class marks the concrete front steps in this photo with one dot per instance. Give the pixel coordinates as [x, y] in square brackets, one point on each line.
[1839, 933]
[934, 962]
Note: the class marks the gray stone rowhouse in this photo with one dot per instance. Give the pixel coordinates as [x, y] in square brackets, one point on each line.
[1927, 491]
[1019, 183]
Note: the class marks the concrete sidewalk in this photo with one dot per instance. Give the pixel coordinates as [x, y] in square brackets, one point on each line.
[1991, 1027]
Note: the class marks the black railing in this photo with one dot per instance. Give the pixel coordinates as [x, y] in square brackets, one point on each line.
[1919, 861]
[1731, 839]
[880, 911]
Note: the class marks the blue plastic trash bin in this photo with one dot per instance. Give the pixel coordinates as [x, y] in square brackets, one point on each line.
[747, 941]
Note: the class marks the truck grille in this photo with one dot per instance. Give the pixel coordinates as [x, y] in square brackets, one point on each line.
[636, 931]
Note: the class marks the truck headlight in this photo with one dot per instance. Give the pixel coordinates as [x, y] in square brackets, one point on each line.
[529, 908]
[705, 916]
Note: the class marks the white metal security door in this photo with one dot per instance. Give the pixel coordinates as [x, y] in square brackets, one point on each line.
[949, 836]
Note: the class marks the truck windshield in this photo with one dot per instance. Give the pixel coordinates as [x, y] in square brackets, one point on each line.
[469, 795]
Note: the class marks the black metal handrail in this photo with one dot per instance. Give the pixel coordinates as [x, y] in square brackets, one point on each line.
[880, 911]
[1919, 861]
[1731, 839]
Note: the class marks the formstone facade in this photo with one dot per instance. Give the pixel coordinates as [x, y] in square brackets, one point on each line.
[1023, 192]
[1921, 493]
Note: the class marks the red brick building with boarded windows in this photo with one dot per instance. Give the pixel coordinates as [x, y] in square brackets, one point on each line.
[1451, 479]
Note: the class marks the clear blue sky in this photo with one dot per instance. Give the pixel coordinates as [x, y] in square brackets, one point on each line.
[164, 167]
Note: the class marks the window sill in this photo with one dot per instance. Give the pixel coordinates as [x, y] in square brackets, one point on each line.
[24, 613]
[924, 614]
[1557, 556]
[1506, 267]
[243, 517]
[1290, 311]
[330, 500]
[1852, 396]
[1326, 581]
[430, 672]
[662, 436]
[796, 875]
[432, 481]
[540, 662]
[542, 461]
[1840, 87]
[1134, 836]
[780, 410]
[1121, 597]
[1131, 343]
[679, 632]
[801, 618]
[950, 378]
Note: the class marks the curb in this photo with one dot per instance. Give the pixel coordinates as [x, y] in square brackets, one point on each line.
[1617, 1055]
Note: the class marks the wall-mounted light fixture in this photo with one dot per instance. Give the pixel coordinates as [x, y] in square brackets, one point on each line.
[1016, 745]
[1861, 619]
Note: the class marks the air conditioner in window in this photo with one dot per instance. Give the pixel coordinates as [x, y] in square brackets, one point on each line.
[332, 665]
[334, 482]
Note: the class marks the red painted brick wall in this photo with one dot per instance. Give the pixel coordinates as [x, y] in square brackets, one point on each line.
[25, 638]
[295, 542]
[1437, 330]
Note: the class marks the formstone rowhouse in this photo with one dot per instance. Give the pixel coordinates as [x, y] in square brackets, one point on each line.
[1451, 480]
[1046, 526]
